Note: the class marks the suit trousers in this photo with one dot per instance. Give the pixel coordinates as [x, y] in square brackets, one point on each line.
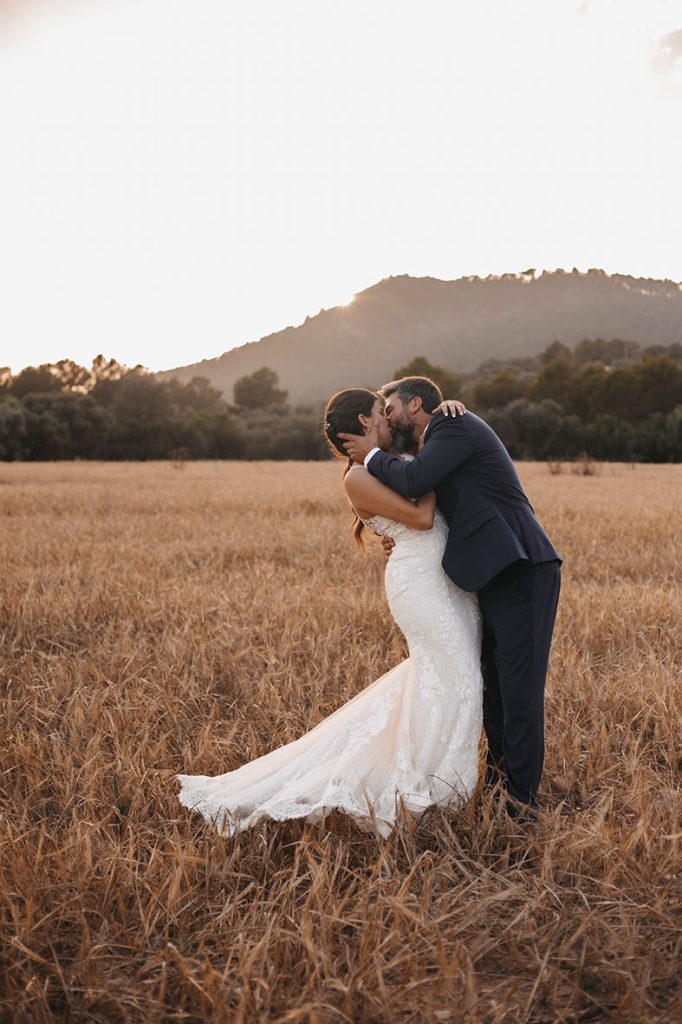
[518, 607]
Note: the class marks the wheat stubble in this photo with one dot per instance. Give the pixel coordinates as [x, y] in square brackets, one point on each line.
[157, 620]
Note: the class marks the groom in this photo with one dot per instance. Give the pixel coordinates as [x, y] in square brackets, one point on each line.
[495, 547]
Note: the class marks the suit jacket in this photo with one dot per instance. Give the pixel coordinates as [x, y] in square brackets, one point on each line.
[491, 522]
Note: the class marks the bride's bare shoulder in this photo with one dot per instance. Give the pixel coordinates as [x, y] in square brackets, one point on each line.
[358, 483]
[355, 477]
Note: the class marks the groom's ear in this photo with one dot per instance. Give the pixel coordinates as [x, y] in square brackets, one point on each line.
[415, 404]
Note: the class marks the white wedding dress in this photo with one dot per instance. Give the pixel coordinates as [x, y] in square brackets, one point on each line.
[411, 737]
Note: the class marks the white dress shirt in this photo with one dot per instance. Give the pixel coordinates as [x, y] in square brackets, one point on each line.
[369, 455]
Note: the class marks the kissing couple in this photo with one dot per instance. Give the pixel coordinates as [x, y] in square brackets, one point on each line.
[472, 580]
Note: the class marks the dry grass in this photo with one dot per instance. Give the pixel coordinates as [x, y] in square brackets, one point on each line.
[156, 622]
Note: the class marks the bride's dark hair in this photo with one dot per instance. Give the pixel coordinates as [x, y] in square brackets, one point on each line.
[341, 416]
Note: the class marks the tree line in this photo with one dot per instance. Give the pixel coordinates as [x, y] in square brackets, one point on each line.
[611, 399]
[115, 412]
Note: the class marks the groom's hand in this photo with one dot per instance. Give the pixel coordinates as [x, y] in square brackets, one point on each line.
[360, 445]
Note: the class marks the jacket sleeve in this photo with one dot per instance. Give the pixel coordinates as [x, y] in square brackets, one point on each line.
[448, 444]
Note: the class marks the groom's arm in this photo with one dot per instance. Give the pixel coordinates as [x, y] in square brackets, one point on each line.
[448, 445]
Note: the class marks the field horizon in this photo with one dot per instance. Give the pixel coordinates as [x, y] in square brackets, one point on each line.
[161, 619]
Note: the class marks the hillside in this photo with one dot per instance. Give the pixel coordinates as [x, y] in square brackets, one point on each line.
[456, 324]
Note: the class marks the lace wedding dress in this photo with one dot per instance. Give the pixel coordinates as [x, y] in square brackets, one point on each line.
[410, 738]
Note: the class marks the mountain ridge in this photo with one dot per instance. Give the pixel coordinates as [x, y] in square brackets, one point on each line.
[456, 324]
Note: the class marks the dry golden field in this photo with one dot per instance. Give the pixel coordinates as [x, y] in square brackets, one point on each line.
[157, 620]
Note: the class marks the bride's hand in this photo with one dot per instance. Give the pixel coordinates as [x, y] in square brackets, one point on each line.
[451, 407]
[388, 544]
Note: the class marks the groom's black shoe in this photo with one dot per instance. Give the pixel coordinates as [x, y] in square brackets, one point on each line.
[523, 818]
[494, 775]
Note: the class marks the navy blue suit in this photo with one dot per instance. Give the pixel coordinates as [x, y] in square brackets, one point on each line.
[496, 547]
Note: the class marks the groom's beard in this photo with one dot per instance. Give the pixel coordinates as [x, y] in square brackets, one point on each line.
[403, 438]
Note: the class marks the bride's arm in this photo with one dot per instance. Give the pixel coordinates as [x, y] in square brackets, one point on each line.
[369, 497]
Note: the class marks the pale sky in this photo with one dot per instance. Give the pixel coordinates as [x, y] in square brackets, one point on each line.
[178, 178]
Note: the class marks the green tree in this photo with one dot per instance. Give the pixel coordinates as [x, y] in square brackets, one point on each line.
[110, 369]
[259, 390]
[650, 444]
[196, 396]
[672, 435]
[630, 393]
[135, 397]
[673, 351]
[589, 389]
[555, 382]
[300, 437]
[67, 425]
[608, 353]
[144, 439]
[145, 418]
[35, 380]
[12, 428]
[47, 435]
[222, 436]
[659, 437]
[610, 438]
[495, 392]
[557, 350]
[72, 376]
[537, 430]
[650, 386]
[451, 384]
[64, 375]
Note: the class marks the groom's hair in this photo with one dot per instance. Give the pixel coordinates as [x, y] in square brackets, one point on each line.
[415, 387]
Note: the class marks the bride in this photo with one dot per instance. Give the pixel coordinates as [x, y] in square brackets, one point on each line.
[410, 738]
